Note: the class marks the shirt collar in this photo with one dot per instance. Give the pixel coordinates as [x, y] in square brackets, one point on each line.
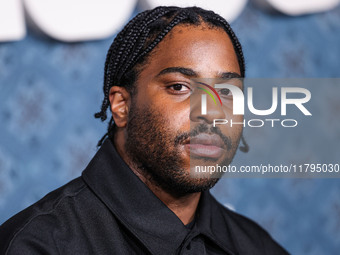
[213, 223]
[147, 217]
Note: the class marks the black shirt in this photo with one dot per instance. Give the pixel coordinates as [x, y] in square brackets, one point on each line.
[109, 210]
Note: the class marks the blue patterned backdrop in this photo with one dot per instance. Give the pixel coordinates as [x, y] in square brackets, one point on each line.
[50, 90]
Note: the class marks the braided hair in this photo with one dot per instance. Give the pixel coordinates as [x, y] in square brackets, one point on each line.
[132, 46]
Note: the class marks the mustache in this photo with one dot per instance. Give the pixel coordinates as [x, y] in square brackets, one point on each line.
[204, 128]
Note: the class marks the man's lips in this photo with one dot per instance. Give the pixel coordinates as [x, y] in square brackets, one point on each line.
[206, 145]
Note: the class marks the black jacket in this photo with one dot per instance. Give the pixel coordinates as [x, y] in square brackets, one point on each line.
[109, 210]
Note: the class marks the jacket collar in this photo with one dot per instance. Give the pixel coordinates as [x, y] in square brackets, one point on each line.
[147, 217]
[213, 223]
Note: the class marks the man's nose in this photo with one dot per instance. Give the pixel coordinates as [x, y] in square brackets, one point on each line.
[213, 110]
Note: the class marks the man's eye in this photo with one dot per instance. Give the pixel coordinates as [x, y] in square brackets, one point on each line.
[179, 88]
[225, 92]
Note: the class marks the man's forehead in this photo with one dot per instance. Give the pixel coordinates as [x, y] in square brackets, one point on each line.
[193, 74]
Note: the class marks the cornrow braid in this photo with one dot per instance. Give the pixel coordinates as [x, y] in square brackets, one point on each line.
[234, 39]
[121, 48]
[132, 46]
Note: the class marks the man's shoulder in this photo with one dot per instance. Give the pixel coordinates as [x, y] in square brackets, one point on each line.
[40, 220]
[246, 231]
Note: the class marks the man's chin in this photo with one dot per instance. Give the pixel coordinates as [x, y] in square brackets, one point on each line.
[207, 168]
[194, 185]
[190, 182]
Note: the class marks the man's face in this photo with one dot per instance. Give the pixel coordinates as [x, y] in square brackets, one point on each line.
[163, 130]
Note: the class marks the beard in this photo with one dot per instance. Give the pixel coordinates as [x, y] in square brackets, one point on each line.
[155, 150]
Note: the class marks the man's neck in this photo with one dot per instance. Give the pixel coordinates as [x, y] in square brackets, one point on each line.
[184, 207]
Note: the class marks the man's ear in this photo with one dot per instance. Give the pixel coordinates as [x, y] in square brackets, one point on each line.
[119, 103]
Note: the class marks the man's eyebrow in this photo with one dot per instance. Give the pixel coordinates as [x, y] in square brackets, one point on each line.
[185, 71]
[191, 73]
[229, 75]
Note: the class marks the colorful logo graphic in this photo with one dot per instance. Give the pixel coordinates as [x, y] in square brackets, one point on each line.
[204, 97]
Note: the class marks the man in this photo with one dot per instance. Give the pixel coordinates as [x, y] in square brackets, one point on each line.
[137, 195]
